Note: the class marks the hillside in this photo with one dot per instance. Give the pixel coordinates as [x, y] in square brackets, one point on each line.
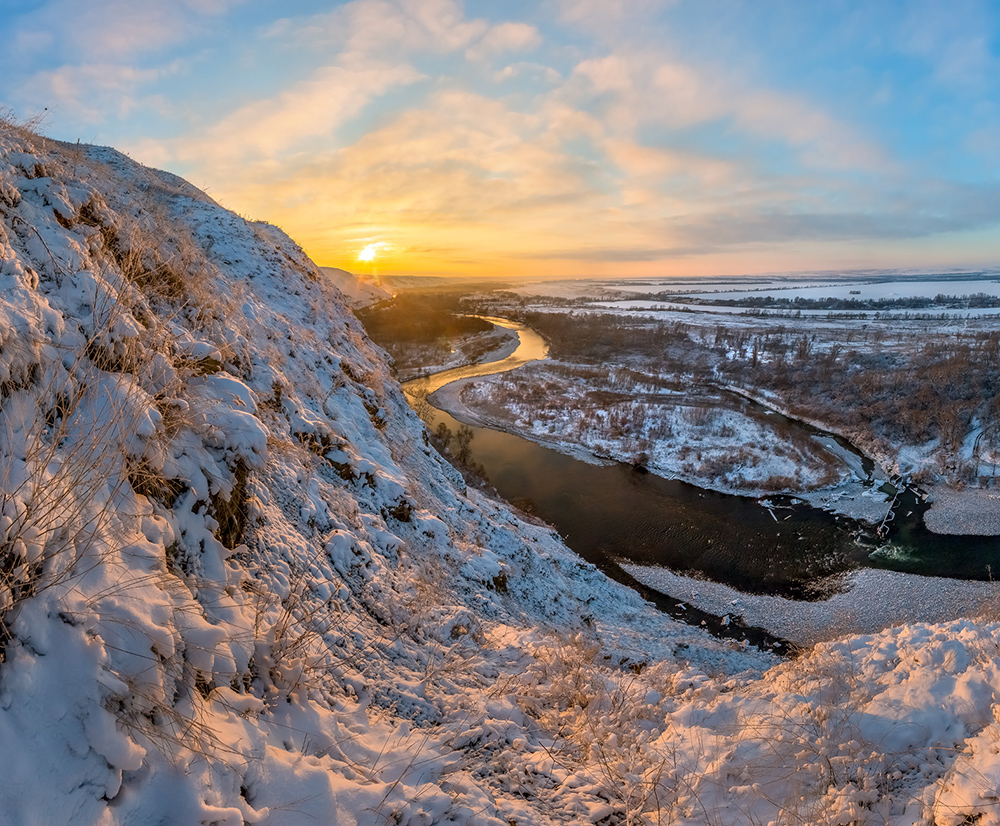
[240, 586]
[357, 290]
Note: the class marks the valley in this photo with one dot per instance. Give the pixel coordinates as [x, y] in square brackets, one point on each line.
[697, 426]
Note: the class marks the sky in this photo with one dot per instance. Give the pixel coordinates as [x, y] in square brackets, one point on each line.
[596, 138]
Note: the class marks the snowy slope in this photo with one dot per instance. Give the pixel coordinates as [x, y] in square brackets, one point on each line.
[239, 586]
[358, 290]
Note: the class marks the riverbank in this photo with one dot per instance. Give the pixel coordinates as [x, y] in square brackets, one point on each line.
[760, 450]
[482, 348]
[681, 436]
[871, 601]
[449, 400]
[852, 499]
[963, 512]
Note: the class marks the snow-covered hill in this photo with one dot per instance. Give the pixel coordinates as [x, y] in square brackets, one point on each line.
[240, 587]
[357, 290]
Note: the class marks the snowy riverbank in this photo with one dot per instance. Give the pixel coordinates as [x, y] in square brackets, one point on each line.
[849, 498]
[872, 601]
[964, 512]
[467, 350]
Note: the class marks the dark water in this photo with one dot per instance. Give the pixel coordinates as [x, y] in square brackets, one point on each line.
[614, 512]
[913, 549]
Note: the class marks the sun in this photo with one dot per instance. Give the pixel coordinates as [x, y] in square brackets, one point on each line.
[369, 252]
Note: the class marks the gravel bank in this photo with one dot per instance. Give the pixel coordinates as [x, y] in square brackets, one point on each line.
[874, 600]
[964, 512]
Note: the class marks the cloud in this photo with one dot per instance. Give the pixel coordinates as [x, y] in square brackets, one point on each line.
[534, 71]
[104, 31]
[648, 88]
[364, 29]
[607, 18]
[461, 167]
[952, 37]
[89, 62]
[552, 183]
[633, 153]
[268, 128]
[670, 180]
[89, 93]
[505, 37]
[397, 29]
[825, 142]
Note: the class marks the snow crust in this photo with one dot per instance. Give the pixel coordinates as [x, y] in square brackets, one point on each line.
[239, 586]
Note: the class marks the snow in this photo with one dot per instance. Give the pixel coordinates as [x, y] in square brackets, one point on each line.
[965, 512]
[870, 600]
[637, 305]
[675, 434]
[357, 289]
[241, 588]
[895, 288]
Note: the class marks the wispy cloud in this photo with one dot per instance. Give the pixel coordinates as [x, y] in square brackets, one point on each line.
[386, 28]
[954, 37]
[633, 90]
[88, 61]
[264, 130]
[89, 92]
[570, 134]
[105, 31]
[505, 37]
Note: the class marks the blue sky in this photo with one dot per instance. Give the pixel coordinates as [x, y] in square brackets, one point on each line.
[622, 137]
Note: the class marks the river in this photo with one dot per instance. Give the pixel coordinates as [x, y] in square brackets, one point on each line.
[610, 512]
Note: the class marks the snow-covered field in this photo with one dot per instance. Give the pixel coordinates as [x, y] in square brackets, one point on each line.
[901, 288]
[871, 284]
[631, 305]
[240, 588]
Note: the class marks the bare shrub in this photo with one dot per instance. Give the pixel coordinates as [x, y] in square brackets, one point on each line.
[700, 415]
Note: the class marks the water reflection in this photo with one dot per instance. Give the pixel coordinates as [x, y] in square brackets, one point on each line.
[531, 347]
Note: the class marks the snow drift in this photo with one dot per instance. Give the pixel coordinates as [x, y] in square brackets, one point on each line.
[240, 587]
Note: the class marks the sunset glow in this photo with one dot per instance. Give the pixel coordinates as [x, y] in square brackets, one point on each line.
[372, 250]
[573, 137]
